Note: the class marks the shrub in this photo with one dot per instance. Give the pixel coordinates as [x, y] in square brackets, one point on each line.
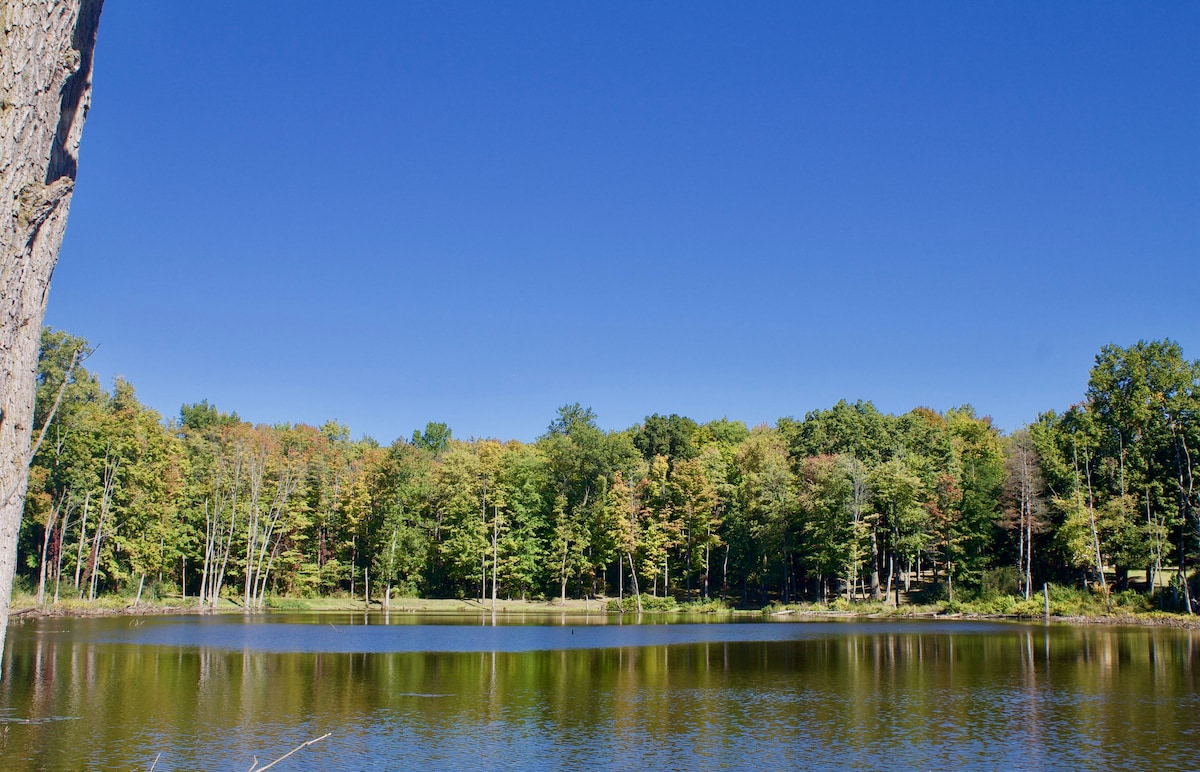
[931, 593]
[277, 603]
[1001, 581]
[706, 606]
[23, 585]
[1131, 600]
[1001, 604]
[1034, 607]
[650, 603]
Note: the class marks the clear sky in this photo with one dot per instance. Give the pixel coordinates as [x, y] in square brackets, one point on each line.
[398, 212]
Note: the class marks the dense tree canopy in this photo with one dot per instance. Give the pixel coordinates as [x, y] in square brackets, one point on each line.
[848, 502]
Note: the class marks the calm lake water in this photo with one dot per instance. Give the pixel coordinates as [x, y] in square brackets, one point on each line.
[598, 692]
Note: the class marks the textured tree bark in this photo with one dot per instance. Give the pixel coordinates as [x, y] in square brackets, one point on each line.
[45, 89]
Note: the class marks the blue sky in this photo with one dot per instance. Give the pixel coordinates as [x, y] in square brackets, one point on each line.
[477, 212]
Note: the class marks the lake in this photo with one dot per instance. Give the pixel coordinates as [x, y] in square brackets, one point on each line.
[593, 692]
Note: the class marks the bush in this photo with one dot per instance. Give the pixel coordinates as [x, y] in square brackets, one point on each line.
[23, 585]
[1001, 581]
[1001, 604]
[277, 603]
[706, 606]
[931, 593]
[1034, 607]
[1131, 600]
[1171, 597]
[650, 603]
[1076, 601]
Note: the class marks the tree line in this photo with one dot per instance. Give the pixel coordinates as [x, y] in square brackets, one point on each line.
[847, 502]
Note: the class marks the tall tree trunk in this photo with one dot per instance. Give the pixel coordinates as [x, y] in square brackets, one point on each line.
[707, 555]
[391, 573]
[620, 579]
[725, 574]
[633, 573]
[45, 90]
[495, 551]
[1183, 463]
[209, 534]
[51, 520]
[87, 498]
[874, 563]
[1091, 503]
[61, 542]
[687, 565]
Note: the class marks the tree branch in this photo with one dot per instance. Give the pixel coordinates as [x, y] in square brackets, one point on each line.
[75, 360]
[299, 747]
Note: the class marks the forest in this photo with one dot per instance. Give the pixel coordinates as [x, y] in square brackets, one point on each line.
[846, 503]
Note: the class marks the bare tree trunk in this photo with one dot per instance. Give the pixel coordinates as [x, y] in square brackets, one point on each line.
[111, 467]
[1087, 468]
[1185, 505]
[262, 582]
[258, 467]
[874, 563]
[45, 91]
[209, 532]
[891, 566]
[563, 593]
[51, 521]
[218, 578]
[87, 498]
[391, 574]
[1022, 508]
[707, 550]
[633, 573]
[725, 574]
[495, 552]
[1028, 557]
[620, 579]
[687, 564]
[62, 539]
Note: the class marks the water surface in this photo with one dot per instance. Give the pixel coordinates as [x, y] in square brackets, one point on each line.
[593, 692]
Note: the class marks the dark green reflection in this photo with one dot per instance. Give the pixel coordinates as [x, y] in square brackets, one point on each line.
[922, 695]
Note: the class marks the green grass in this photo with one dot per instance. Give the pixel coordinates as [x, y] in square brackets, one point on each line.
[1065, 602]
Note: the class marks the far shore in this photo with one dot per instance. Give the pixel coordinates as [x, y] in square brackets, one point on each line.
[25, 608]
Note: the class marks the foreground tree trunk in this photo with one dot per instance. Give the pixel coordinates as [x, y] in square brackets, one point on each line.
[45, 90]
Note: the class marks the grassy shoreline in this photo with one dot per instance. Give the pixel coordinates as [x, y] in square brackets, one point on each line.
[25, 607]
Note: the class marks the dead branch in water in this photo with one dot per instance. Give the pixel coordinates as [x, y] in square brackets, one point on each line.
[301, 746]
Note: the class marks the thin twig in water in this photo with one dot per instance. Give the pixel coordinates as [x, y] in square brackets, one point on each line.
[301, 746]
[155, 764]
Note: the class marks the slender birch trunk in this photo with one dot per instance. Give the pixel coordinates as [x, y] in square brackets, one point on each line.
[51, 521]
[633, 574]
[58, 562]
[87, 498]
[111, 467]
[495, 551]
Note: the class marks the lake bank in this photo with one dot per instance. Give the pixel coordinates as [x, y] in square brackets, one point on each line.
[26, 608]
[113, 606]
